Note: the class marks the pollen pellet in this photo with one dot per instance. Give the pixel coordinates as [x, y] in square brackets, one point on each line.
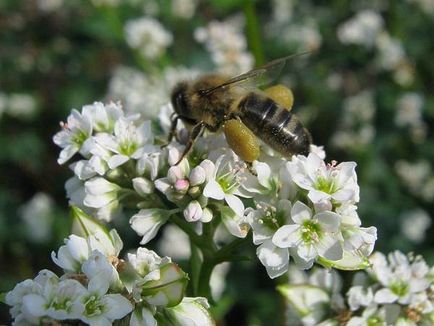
[282, 95]
[242, 141]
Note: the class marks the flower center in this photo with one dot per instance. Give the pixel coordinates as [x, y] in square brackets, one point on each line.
[272, 220]
[325, 185]
[310, 231]
[61, 305]
[227, 182]
[79, 137]
[374, 321]
[93, 306]
[128, 148]
[400, 288]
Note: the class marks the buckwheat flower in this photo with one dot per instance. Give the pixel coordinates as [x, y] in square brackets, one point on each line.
[37, 215]
[362, 29]
[127, 142]
[358, 297]
[265, 186]
[184, 8]
[76, 131]
[14, 298]
[148, 36]
[224, 183]
[71, 255]
[101, 308]
[327, 185]
[311, 235]
[99, 271]
[401, 280]
[59, 300]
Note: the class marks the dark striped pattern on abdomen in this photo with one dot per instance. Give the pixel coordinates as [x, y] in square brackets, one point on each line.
[276, 126]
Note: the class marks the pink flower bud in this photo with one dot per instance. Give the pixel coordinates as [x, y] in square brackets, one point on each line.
[181, 185]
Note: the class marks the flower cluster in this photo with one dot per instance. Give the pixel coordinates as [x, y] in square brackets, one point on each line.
[98, 287]
[313, 217]
[302, 208]
[397, 290]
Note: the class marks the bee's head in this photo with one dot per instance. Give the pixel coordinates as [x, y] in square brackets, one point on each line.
[179, 100]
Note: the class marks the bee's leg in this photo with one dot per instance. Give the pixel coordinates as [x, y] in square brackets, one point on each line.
[172, 131]
[282, 95]
[194, 135]
[250, 168]
[242, 140]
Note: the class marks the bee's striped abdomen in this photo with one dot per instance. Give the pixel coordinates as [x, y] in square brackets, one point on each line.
[276, 126]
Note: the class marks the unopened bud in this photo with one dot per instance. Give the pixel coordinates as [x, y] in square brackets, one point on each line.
[143, 186]
[181, 185]
[193, 212]
[197, 176]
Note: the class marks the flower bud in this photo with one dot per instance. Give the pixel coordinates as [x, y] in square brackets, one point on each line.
[168, 290]
[197, 176]
[174, 174]
[194, 191]
[191, 311]
[143, 186]
[209, 169]
[206, 215]
[182, 185]
[193, 211]
[174, 155]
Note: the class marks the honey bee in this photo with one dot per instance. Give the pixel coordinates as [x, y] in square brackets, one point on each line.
[215, 102]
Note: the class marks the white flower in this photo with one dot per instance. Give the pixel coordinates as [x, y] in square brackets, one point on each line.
[227, 45]
[401, 280]
[101, 308]
[127, 141]
[99, 271]
[327, 184]
[311, 236]
[37, 215]
[359, 297]
[77, 250]
[362, 29]
[414, 224]
[103, 117]
[145, 261]
[76, 131]
[58, 300]
[148, 36]
[224, 183]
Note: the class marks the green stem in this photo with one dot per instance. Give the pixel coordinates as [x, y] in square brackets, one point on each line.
[253, 33]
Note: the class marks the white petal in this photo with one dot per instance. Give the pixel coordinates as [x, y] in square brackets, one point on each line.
[263, 170]
[300, 212]
[117, 160]
[330, 248]
[329, 221]
[35, 304]
[213, 190]
[274, 259]
[287, 236]
[306, 252]
[117, 306]
[236, 204]
[385, 296]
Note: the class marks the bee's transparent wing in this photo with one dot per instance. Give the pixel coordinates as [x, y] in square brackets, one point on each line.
[261, 76]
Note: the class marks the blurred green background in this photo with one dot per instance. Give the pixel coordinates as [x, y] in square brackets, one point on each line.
[365, 93]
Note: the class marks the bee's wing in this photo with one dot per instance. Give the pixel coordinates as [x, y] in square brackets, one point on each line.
[258, 76]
